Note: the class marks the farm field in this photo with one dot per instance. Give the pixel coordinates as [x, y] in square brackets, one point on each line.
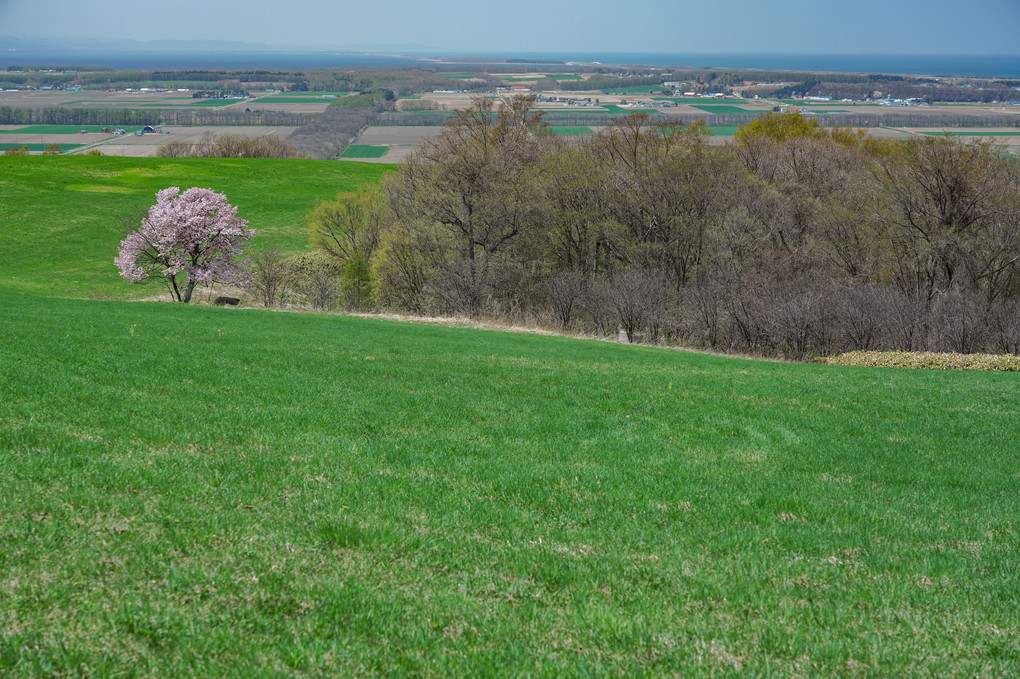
[103, 99]
[974, 133]
[721, 109]
[284, 102]
[284, 494]
[364, 151]
[635, 89]
[80, 207]
[569, 130]
[63, 129]
[400, 139]
[724, 130]
[1008, 137]
[129, 144]
[38, 148]
[626, 110]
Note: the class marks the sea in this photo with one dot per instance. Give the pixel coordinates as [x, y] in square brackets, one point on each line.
[993, 66]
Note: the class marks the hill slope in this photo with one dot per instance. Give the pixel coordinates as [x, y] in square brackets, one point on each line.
[62, 218]
[198, 491]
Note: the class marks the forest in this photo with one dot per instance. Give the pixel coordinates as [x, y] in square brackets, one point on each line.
[792, 241]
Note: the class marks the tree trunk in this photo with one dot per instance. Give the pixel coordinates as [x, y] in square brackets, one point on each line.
[187, 292]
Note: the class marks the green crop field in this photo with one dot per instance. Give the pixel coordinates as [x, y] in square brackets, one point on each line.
[87, 201]
[722, 109]
[39, 147]
[724, 130]
[194, 491]
[365, 151]
[569, 130]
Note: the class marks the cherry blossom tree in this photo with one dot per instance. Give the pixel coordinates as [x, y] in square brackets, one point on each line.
[186, 239]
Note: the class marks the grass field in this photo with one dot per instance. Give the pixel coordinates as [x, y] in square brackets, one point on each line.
[722, 109]
[196, 491]
[62, 217]
[569, 130]
[365, 151]
[724, 130]
[613, 108]
[39, 147]
[191, 491]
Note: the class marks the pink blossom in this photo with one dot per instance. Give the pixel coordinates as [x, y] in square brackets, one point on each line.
[188, 239]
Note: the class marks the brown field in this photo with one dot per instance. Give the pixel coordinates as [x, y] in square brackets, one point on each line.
[401, 140]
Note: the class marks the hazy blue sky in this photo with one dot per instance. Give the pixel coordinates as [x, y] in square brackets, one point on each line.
[779, 26]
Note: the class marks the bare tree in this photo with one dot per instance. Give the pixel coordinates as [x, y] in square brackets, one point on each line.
[271, 277]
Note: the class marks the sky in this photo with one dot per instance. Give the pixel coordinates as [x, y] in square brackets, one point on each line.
[593, 26]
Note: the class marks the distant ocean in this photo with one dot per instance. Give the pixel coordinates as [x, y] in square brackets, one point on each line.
[947, 65]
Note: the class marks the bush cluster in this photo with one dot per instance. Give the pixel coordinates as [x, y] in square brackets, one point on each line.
[926, 360]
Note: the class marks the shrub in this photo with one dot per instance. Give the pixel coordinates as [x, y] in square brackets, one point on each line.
[926, 360]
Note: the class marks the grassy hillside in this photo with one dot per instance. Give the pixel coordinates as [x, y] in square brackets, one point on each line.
[191, 491]
[62, 218]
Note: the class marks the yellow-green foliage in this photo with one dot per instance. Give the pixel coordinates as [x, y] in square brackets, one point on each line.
[780, 127]
[306, 265]
[926, 360]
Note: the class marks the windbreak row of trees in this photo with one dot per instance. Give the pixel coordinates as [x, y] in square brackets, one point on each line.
[792, 241]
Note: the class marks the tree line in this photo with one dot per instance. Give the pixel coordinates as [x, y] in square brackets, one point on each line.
[791, 241]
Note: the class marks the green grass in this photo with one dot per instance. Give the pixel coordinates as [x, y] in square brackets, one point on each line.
[365, 151]
[191, 491]
[563, 76]
[194, 491]
[61, 218]
[722, 109]
[39, 147]
[724, 130]
[67, 129]
[569, 130]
